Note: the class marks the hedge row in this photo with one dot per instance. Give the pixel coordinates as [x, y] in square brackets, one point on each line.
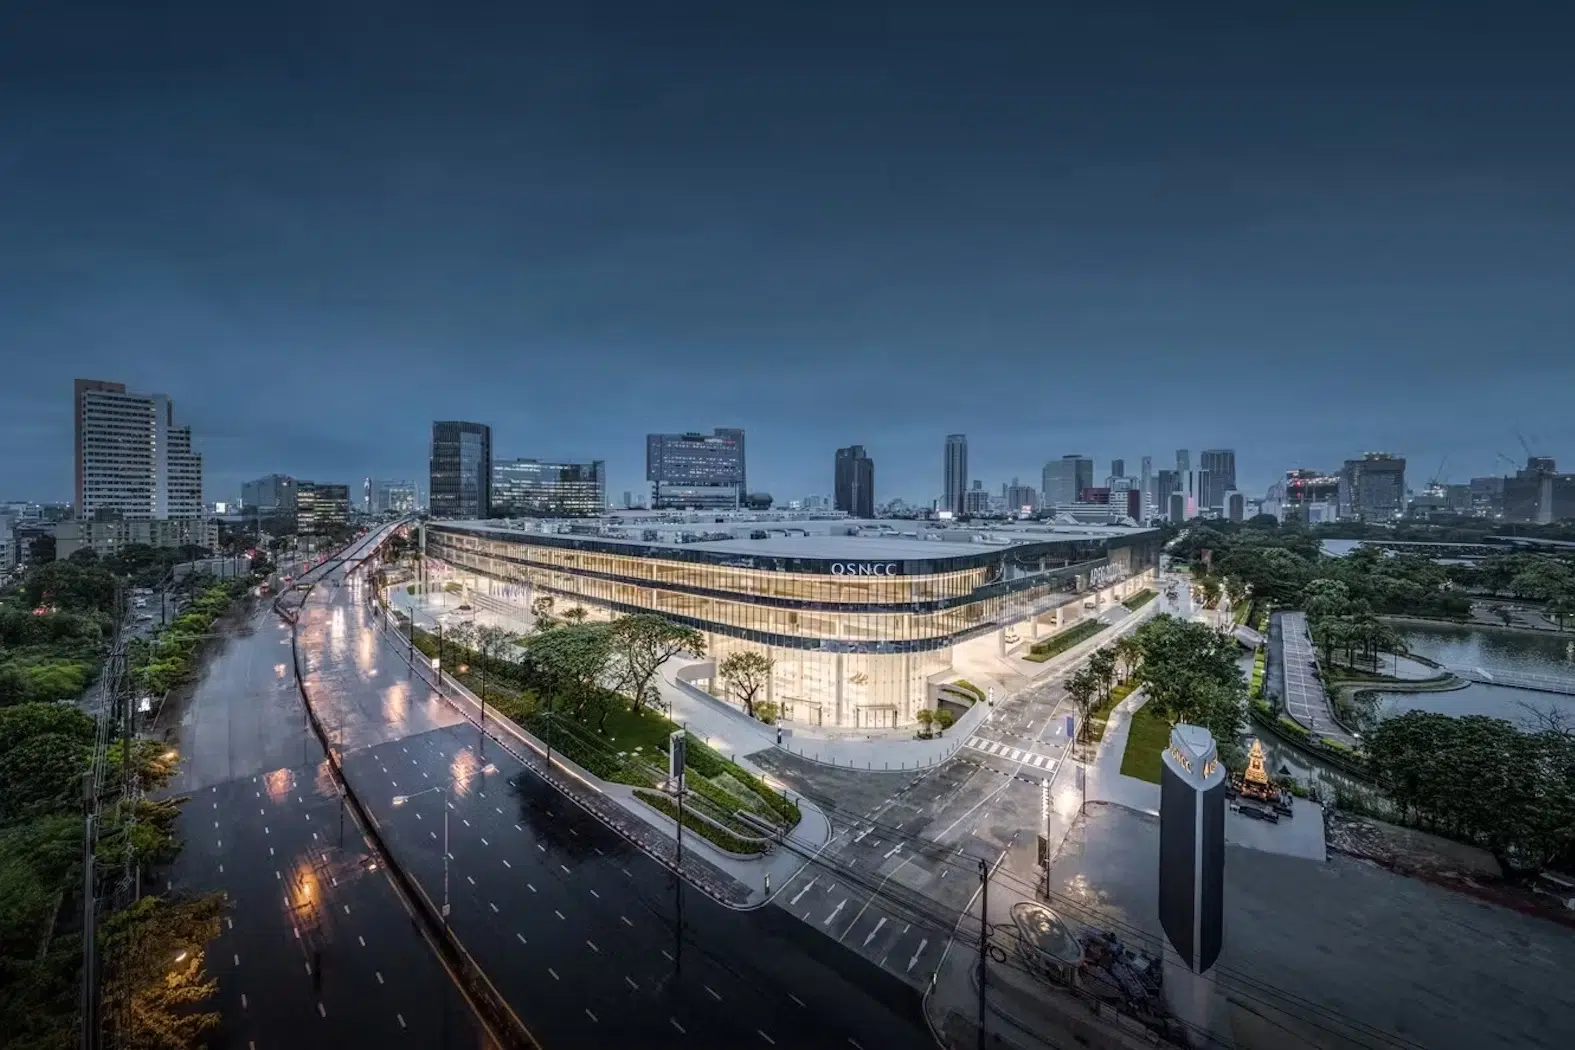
[700, 826]
[1042, 651]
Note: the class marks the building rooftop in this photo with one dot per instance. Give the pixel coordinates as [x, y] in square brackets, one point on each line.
[829, 538]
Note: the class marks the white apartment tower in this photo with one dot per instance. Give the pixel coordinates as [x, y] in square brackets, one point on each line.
[130, 457]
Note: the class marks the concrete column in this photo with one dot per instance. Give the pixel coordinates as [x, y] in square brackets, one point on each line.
[1060, 616]
[838, 672]
[1033, 627]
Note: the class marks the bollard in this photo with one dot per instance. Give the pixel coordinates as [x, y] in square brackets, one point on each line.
[768, 884]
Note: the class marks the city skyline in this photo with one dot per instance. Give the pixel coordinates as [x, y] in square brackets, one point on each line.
[781, 241]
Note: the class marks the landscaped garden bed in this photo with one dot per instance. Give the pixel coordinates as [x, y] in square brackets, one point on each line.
[1082, 632]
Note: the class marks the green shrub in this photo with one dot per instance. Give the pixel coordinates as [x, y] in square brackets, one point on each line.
[968, 687]
[1141, 598]
[724, 839]
[1042, 651]
[1294, 728]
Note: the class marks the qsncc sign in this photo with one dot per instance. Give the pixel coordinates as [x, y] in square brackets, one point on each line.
[864, 568]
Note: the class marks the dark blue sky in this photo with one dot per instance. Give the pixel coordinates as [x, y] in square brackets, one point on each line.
[1112, 229]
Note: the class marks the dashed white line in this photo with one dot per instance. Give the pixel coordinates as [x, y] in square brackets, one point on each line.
[592, 946]
[598, 896]
[494, 907]
[565, 869]
[669, 958]
[470, 880]
[626, 921]
[320, 1011]
[766, 1037]
[674, 1022]
[506, 863]
[796, 999]
[361, 939]
[711, 990]
[591, 1016]
[484, 842]
[559, 914]
[521, 936]
[630, 981]
[554, 973]
[531, 886]
[400, 1018]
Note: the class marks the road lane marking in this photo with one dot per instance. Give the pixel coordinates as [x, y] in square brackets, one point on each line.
[361, 939]
[675, 1024]
[565, 870]
[766, 1037]
[494, 907]
[554, 973]
[401, 1018]
[893, 851]
[805, 890]
[592, 946]
[591, 1015]
[669, 958]
[379, 976]
[708, 988]
[626, 921]
[875, 931]
[521, 936]
[917, 952]
[237, 959]
[347, 909]
[506, 863]
[796, 999]
[320, 1011]
[598, 896]
[470, 880]
[559, 914]
[243, 1000]
[484, 842]
[630, 981]
[531, 886]
[834, 913]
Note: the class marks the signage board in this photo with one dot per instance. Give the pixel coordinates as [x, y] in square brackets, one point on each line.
[865, 568]
[676, 750]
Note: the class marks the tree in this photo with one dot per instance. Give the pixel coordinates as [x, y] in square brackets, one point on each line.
[642, 644]
[573, 659]
[767, 711]
[1102, 665]
[43, 772]
[926, 718]
[156, 977]
[576, 614]
[746, 672]
[1180, 660]
[943, 721]
[1081, 686]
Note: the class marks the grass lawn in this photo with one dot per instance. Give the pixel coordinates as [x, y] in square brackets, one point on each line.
[1146, 740]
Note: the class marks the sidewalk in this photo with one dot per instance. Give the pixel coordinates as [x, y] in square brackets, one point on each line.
[1106, 782]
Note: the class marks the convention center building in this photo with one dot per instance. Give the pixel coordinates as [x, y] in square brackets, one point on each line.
[859, 617]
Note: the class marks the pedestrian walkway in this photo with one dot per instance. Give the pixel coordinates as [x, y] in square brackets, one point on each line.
[1012, 754]
[1106, 782]
[1304, 696]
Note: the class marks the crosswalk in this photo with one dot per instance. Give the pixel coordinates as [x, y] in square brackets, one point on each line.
[1011, 754]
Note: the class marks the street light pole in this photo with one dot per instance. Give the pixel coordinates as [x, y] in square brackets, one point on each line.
[445, 859]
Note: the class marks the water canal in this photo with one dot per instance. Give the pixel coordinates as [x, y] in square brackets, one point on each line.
[1519, 652]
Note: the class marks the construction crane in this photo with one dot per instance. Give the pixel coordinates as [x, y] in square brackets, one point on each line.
[1512, 464]
[1438, 475]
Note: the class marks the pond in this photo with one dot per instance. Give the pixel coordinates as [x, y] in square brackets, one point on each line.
[1491, 651]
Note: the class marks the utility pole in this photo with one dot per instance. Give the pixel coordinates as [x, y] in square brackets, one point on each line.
[984, 941]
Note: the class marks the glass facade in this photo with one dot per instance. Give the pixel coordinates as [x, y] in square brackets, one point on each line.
[849, 651]
[460, 470]
[524, 488]
[696, 470]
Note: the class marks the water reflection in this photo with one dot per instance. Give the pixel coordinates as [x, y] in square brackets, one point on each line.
[279, 784]
[1491, 651]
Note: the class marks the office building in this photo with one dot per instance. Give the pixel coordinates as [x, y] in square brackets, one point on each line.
[131, 460]
[1146, 486]
[1487, 497]
[1118, 469]
[460, 470]
[1220, 463]
[1235, 506]
[1538, 494]
[976, 501]
[107, 534]
[854, 482]
[321, 510]
[955, 475]
[385, 496]
[1066, 478]
[1373, 488]
[1183, 461]
[1309, 496]
[859, 617]
[696, 471]
[1167, 483]
[530, 488]
[272, 493]
[1019, 498]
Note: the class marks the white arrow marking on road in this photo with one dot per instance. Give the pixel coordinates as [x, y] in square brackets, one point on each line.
[805, 890]
[856, 838]
[893, 851]
[876, 930]
[834, 913]
[920, 951]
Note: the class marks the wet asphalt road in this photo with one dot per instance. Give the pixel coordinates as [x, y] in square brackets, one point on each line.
[316, 949]
[578, 929]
